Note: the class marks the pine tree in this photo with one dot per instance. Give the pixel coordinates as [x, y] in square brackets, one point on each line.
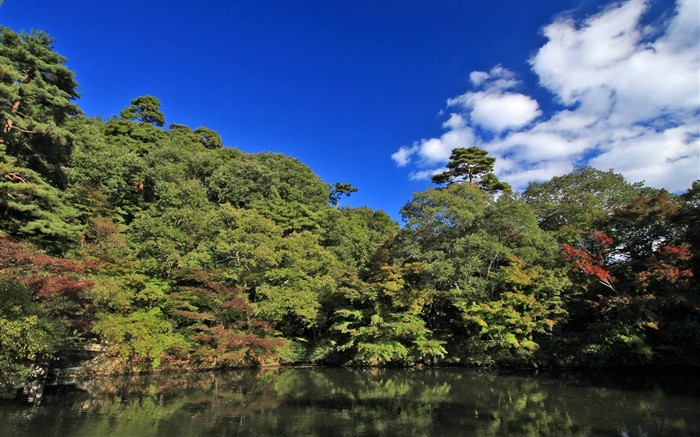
[32, 208]
[471, 165]
[36, 93]
[36, 90]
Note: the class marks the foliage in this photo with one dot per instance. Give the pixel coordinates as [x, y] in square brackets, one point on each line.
[180, 252]
[578, 203]
[29, 336]
[222, 324]
[250, 179]
[36, 90]
[471, 165]
[33, 209]
[144, 109]
[636, 287]
[139, 338]
[339, 190]
[487, 271]
[42, 308]
[355, 234]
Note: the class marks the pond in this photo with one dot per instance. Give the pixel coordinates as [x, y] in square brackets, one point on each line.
[365, 402]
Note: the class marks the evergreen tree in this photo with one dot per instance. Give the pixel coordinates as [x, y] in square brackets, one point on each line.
[472, 165]
[36, 90]
[145, 109]
[209, 138]
[31, 208]
[339, 190]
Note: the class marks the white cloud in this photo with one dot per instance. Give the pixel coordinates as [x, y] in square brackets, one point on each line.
[424, 174]
[608, 52]
[566, 63]
[478, 77]
[433, 151]
[671, 158]
[630, 94]
[521, 176]
[495, 108]
[455, 122]
[403, 155]
[500, 112]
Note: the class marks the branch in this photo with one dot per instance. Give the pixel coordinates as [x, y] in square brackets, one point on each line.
[15, 177]
[608, 283]
[24, 131]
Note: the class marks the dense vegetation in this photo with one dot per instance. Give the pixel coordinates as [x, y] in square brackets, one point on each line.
[172, 250]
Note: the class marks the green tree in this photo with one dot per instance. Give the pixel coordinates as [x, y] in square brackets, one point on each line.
[107, 178]
[472, 256]
[355, 234]
[30, 207]
[140, 338]
[139, 125]
[292, 292]
[380, 322]
[339, 190]
[577, 204]
[29, 334]
[249, 179]
[209, 138]
[471, 165]
[33, 209]
[166, 236]
[36, 93]
[144, 109]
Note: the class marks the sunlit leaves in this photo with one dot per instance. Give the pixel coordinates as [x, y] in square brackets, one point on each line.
[138, 338]
[36, 90]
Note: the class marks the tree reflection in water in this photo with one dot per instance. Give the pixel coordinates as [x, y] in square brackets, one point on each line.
[349, 402]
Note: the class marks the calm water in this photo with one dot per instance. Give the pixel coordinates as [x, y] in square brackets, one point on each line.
[372, 402]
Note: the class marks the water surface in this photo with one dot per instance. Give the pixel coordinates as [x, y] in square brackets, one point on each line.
[366, 402]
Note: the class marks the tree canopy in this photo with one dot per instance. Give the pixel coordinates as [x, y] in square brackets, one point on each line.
[144, 109]
[36, 93]
[175, 252]
[471, 165]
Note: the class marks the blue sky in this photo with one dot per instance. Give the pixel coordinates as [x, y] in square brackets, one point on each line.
[377, 93]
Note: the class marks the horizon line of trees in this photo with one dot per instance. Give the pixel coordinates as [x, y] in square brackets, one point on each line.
[174, 251]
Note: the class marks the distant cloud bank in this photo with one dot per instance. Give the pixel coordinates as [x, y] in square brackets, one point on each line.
[628, 97]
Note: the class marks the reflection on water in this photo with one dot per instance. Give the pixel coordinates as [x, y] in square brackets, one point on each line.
[366, 402]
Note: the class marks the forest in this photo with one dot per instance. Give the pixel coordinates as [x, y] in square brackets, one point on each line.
[163, 249]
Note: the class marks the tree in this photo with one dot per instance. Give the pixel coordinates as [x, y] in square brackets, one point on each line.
[222, 323]
[489, 282]
[144, 109]
[380, 322]
[105, 176]
[339, 190]
[209, 138]
[33, 209]
[634, 301]
[36, 90]
[42, 308]
[166, 235]
[471, 165]
[689, 216]
[254, 178]
[354, 234]
[139, 338]
[577, 204]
